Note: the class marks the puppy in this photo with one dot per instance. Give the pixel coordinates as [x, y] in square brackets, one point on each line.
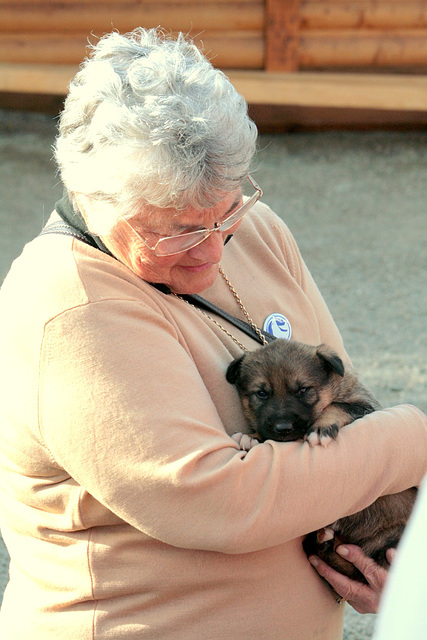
[291, 391]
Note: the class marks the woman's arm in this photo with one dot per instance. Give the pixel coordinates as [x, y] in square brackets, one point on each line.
[124, 410]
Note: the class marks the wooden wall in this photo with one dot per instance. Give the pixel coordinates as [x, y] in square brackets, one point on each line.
[273, 43]
[47, 31]
[366, 35]
[247, 34]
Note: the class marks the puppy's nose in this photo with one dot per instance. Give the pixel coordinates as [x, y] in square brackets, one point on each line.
[282, 427]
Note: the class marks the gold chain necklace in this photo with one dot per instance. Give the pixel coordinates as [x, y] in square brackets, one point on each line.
[242, 307]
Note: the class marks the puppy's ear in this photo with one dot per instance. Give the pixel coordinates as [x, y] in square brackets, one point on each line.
[232, 374]
[330, 359]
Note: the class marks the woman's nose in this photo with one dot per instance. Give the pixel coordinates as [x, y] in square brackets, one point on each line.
[210, 250]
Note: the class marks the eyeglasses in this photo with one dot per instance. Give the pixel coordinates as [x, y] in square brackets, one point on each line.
[171, 245]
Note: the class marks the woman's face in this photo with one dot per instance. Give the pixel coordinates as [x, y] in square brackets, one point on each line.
[188, 272]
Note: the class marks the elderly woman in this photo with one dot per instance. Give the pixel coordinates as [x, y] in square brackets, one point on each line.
[128, 509]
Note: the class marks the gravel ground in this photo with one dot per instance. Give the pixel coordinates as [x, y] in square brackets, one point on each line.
[356, 204]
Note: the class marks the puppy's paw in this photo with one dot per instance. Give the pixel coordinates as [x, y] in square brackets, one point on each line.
[245, 441]
[325, 535]
[321, 435]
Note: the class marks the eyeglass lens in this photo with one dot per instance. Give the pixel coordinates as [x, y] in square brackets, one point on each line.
[185, 241]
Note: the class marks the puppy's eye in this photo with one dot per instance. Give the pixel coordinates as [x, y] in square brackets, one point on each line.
[302, 392]
[261, 394]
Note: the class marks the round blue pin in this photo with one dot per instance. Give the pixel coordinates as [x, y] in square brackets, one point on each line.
[278, 325]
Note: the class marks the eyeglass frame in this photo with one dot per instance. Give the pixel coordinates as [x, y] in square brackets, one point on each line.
[205, 233]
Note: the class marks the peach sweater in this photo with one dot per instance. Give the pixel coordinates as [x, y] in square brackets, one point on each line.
[127, 509]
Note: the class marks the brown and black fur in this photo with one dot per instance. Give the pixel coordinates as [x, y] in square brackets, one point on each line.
[291, 391]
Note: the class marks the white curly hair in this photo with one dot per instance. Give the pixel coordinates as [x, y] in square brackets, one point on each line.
[149, 120]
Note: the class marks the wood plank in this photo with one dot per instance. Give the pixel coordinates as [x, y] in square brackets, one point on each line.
[42, 48]
[166, 3]
[338, 90]
[226, 49]
[311, 90]
[363, 48]
[368, 49]
[278, 119]
[268, 118]
[343, 14]
[80, 17]
[51, 79]
[282, 35]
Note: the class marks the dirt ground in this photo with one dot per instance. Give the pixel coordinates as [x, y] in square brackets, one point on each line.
[356, 203]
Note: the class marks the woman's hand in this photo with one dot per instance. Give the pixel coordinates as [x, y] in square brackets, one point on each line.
[364, 598]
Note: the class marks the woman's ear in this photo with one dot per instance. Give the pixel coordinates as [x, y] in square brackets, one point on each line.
[83, 205]
[100, 215]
